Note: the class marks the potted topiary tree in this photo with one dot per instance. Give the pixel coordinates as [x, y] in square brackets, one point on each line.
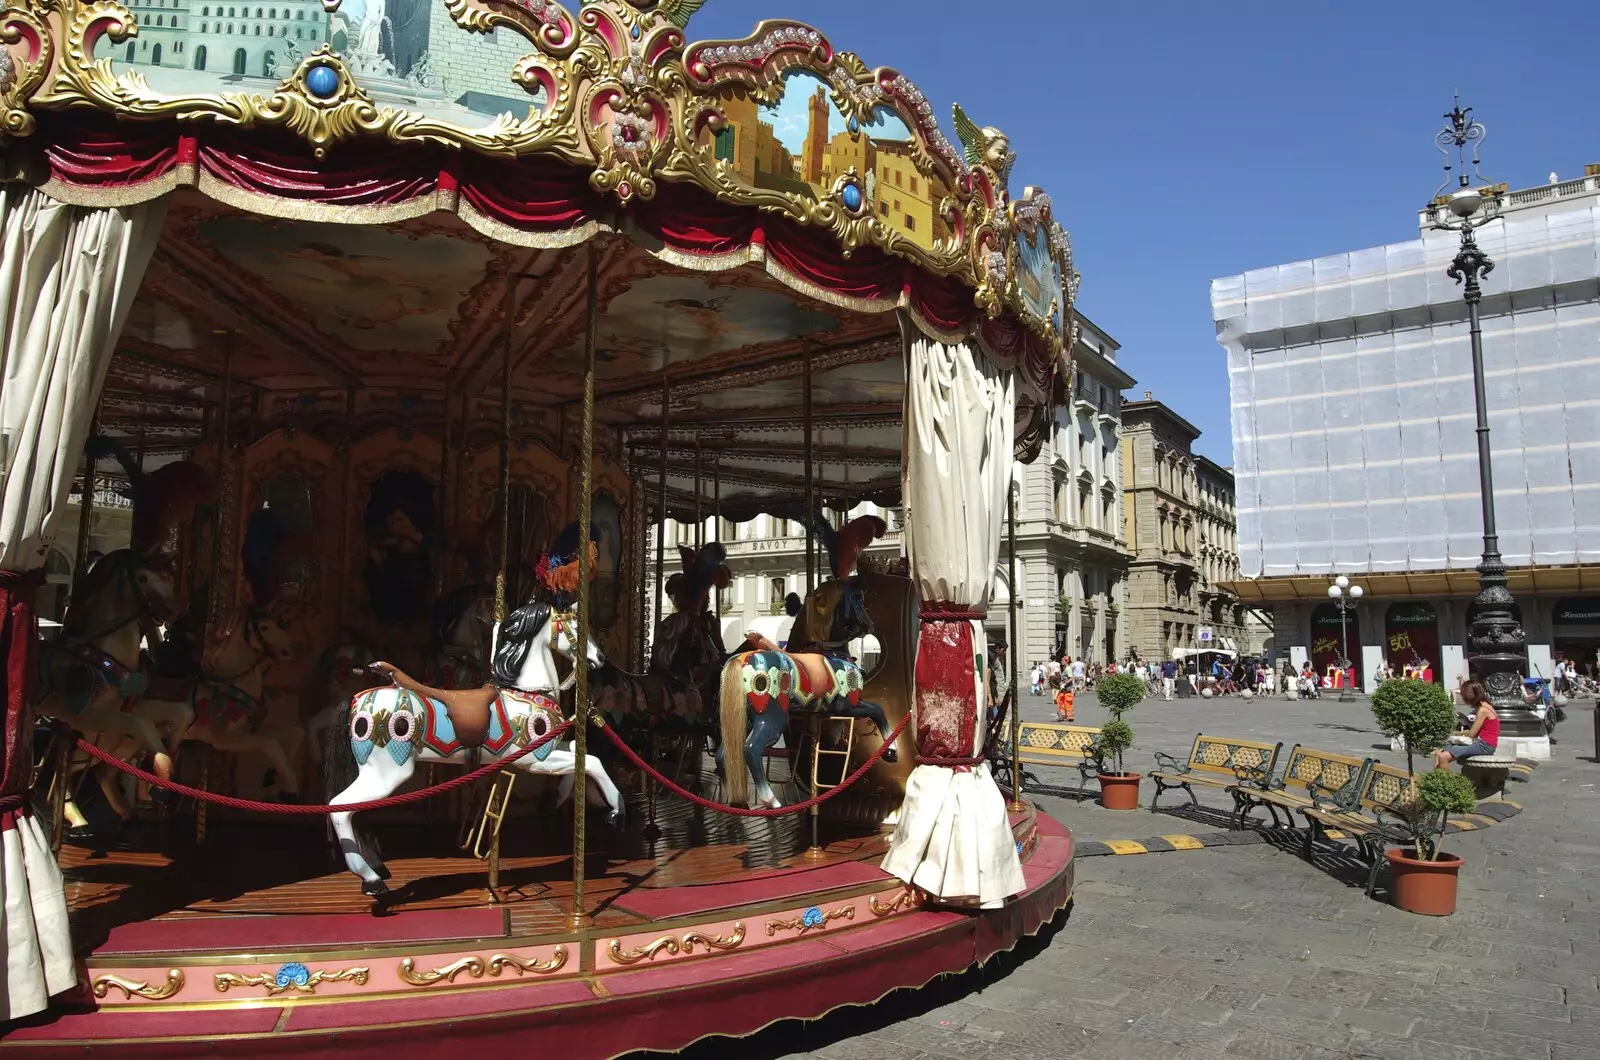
[1119, 789]
[1423, 877]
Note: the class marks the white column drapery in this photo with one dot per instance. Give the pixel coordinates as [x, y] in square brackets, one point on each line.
[953, 838]
[68, 276]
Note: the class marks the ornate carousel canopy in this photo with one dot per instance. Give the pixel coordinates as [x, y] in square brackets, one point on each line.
[371, 204]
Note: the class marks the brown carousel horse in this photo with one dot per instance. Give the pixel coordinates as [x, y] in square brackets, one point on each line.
[90, 675]
[816, 675]
[225, 692]
[676, 697]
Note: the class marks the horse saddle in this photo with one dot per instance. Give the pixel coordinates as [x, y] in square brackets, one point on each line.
[468, 708]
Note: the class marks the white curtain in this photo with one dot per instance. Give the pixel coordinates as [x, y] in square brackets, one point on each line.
[68, 276]
[953, 838]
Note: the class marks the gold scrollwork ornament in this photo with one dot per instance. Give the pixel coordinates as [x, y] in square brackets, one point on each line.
[19, 77]
[908, 898]
[474, 967]
[293, 976]
[674, 945]
[132, 988]
[812, 919]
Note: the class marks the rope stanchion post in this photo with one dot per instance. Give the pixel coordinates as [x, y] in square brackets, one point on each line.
[814, 852]
[1016, 699]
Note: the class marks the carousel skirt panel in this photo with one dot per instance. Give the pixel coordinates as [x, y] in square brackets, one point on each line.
[729, 936]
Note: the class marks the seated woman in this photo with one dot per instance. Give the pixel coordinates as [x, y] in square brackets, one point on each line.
[1484, 734]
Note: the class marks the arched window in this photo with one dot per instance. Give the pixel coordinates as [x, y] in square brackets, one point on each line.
[313, 34]
[258, 31]
[200, 56]
[129, 56]
[298, 33]
[230, 29]
[239, 60]
[155, 56]
[271, 30]
[205, 11]
[272, 12]
[159, 20]
[300, 16]
[231, 14]
[202, 30]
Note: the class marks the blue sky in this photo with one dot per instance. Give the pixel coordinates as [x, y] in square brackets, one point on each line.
[1186, 141]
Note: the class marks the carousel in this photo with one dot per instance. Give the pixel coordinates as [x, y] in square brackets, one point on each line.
[411, 339]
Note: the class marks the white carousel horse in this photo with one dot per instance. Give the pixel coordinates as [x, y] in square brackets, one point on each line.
[391, 729]
[90, 674]
[226, 701]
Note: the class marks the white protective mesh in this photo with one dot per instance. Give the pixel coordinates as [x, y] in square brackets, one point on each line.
[1352, 402]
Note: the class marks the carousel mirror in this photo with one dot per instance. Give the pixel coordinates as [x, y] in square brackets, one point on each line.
[605, 595]
[400, 524]
[805, 145]
[402, 53]
[288, 494]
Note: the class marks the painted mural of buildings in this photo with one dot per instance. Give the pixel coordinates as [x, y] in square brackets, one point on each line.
[252, 40]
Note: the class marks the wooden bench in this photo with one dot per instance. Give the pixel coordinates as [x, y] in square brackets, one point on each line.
[1309, 776]
[1384, 790]
[1216, 762]
[1049, 743]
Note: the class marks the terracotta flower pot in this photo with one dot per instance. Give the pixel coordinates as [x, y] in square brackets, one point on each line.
[1425, 887]
[1120, 791]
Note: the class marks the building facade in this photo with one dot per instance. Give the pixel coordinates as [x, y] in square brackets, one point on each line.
[1354, 441]
[1180, 528]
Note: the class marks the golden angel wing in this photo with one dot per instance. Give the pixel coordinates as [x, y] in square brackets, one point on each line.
[679, 12]
[972, 138]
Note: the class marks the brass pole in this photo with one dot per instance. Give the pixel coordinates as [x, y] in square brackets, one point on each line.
[445, 492]
[699, 517]
[505, 539]
[225, 461]
[815, 851]
[1016, 702]
[805, 415]
[661, 502]
[85, 513]
[716, 526]
[580, 744]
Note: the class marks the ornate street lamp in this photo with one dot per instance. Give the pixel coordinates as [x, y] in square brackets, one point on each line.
[1498, 646]
[1344, 597]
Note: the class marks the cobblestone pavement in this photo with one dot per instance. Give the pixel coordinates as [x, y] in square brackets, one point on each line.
[1250, 952]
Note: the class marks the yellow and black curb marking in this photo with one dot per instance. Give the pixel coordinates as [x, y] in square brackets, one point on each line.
[1487, 814]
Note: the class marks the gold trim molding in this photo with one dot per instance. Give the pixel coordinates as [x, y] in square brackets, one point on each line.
[283, 980]
[675, 944]
[812, 919]
[139, 988]
[475, 967]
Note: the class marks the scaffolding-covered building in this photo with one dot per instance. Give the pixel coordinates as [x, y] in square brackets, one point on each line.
[1354, 443]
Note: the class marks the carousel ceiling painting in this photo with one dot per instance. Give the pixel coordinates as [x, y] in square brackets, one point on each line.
[369, 289]
[662, 320]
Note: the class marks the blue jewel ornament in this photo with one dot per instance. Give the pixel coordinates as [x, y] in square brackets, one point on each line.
[635, 33]
[812, 917]
[292, 974]
[1019, 847]
[322, 81]
[850, 195]
[854, 126]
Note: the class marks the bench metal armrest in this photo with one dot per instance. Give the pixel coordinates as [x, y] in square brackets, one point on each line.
[1345, 799]
[1255, 776]
[1168, 764]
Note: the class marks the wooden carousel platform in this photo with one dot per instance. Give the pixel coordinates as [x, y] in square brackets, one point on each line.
[254, 947]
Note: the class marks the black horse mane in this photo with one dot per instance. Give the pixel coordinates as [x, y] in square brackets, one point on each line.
[516, 638]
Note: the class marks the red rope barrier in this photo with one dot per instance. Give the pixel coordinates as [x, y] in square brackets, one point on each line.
[294, 809]
[760, 811]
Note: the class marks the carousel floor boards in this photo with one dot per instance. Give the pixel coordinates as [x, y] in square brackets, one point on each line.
[722, 926]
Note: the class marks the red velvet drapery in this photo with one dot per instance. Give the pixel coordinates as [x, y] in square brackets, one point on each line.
[19, 652]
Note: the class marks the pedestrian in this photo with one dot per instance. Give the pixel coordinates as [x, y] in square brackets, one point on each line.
[1483, 738]
[1052, 674]
[1169, 678]
[1080, 675]
[1064, 704]
[1038, 678]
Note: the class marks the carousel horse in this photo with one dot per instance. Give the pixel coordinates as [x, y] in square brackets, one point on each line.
[460, 641]
[676, 694]
[341, 673]
[761, 688]
[90, 675]
[389, 730]
[226, 699]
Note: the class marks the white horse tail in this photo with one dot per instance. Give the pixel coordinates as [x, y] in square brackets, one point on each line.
[735, 726]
